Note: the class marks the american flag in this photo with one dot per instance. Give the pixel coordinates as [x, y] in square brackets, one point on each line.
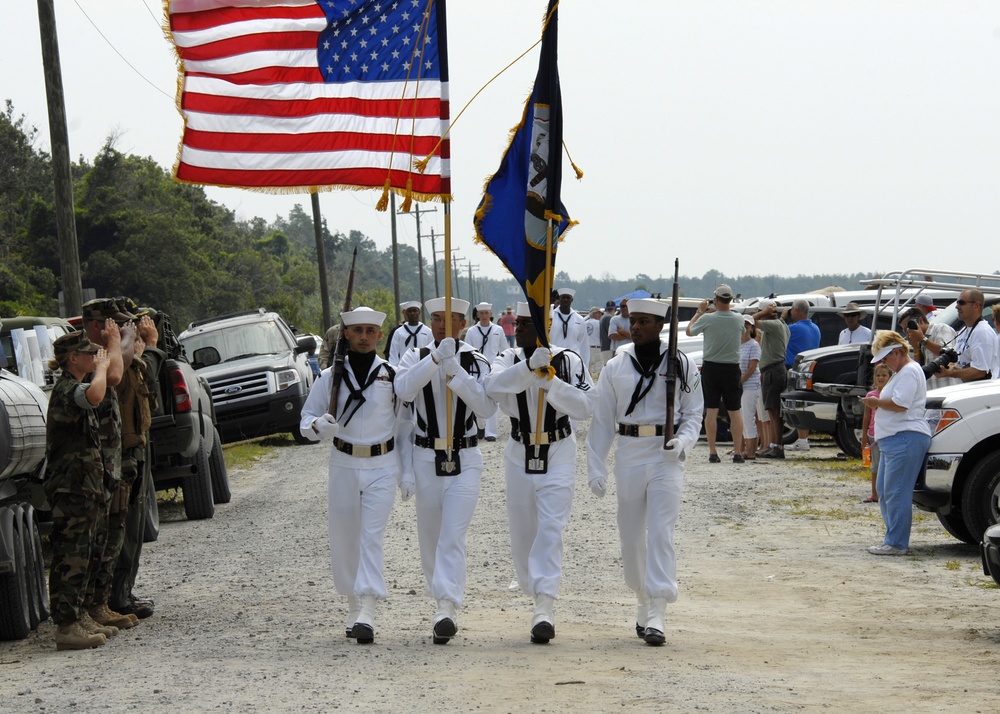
[295, 94]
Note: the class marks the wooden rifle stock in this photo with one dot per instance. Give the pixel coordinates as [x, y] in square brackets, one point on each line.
[340, 352]
[668, 428]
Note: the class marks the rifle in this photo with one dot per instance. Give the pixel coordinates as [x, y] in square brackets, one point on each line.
[340, 352]
[668, 428]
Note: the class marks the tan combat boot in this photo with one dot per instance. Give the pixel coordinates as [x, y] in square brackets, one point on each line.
[104, 615]
[88, 625]
[74, 637]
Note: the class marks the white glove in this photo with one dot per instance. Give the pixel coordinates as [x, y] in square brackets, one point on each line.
[674, 450]
[445, 350]
[326, 426]
[407, 488]
[541, 357]
[451, 366]
[599, 486]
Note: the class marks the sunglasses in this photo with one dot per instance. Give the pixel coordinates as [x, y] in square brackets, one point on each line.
[963, 303]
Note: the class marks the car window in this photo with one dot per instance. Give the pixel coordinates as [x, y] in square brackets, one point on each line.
[258, 338]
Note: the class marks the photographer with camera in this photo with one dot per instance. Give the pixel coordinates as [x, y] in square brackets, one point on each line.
[933, 344]
[975, 345]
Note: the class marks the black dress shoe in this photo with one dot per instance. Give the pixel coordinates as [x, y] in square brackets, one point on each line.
[640, 631]
[136, 606]
[363, 633]
[444, 630]
[542, 633]
[654, 637]
[491, 438]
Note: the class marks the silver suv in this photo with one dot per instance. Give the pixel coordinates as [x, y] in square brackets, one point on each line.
[257, 369]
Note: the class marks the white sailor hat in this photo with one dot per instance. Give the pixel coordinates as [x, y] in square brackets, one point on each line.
[409, 304]
[484, 306]
[649, 307]
[567, 291]
[457, 305]
[363, 316]
[523, 310]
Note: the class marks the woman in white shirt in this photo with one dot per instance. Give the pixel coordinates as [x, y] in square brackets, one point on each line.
[903, 436]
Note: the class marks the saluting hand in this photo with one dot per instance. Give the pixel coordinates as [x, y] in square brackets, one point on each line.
[101, 359]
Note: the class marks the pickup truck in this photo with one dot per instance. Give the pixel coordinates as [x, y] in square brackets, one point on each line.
[961, 479]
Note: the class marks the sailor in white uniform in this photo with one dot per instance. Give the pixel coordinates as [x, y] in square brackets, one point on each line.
[569, 328]
[631, 402]
[412, 333]
[540, 467]
[447, 481]
[489, 339]
[364, 465]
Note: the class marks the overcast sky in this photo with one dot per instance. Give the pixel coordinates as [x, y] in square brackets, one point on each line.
[745, 136]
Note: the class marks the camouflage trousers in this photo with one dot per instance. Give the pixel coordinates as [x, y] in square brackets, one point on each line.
[74, 526]
[107, 545]
[127, 566]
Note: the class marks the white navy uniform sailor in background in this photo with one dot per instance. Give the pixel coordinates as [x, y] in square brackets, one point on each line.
[648, 478]
[445, 503]
[490, 341]
[407, 336]
[540, 483]
[570, 331]
[364, 470]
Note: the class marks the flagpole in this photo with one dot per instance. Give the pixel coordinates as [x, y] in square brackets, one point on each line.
[548, 329]
[449, 321]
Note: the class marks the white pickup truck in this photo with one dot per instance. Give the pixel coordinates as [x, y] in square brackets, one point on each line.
[961, 481]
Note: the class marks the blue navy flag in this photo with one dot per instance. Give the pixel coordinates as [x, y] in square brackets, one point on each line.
[523, 195]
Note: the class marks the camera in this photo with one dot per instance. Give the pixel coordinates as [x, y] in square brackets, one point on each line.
[945, 358]
[911, 324]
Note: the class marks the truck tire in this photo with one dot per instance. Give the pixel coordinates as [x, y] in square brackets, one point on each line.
[848, 438]
[197, 488]
[981, 496]
[301, 440]
[954, 523]
[220, 475]
[15, 608]
[34, 569]
[151, 523]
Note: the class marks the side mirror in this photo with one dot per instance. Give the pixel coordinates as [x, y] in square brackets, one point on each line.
[205, 357]
[305, 343]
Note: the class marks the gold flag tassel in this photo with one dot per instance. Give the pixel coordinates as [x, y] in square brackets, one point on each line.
[576, 169]
[383, 202]
[407, 197]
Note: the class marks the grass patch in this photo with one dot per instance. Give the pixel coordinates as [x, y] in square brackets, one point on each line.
[245, 453]
[805, 507]
[952, 565]
[846, 470]
[982, 584]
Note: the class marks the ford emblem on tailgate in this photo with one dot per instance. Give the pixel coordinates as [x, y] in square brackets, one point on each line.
[234, 390]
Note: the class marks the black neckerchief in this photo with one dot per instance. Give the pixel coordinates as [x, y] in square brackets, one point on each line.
[565, 323]
[360, 364]
[410, 336]
[647, 359]
[485, 336]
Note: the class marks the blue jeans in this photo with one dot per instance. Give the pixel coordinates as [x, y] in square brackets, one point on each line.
[900, 459]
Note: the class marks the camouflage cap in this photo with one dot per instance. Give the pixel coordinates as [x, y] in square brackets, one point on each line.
[103, 308]
[72, 342]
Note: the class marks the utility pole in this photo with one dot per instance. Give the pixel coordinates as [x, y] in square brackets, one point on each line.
[395, 255]
[324, 288]
[454, 272]
[420, 255]
[69, 254]
[472, 293]
[434, 260]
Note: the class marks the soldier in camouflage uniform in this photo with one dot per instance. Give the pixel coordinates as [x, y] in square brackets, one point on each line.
[74, 484]
[137, 398]
[107, 325]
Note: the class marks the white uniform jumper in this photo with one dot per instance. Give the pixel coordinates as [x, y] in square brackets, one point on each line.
[406, 337]
[445, 504]
[490, 341]
[364, 469]
[570, 331]
[648, 485]
[540, 495]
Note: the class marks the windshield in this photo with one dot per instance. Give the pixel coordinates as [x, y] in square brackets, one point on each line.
[258, 338]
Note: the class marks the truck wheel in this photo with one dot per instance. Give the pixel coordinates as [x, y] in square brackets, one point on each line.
[197, 488]
[848, 438]
[41, 582]
[151, 524]
[299, 439]
[34, 569]
[981, 496]
[220, 475]
[954, 523]
[15, 610]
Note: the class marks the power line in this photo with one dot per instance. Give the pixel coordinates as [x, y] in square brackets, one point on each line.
[159, 25]
[147, 81]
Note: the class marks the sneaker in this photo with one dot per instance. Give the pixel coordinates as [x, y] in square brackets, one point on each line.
[799, 445]
[886, 549]
[774, 453]
[714, 459]
[737, 458]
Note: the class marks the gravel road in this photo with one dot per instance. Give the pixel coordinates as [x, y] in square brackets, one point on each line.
[781, 609]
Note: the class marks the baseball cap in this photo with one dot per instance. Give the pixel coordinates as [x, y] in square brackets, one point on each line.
[925, 301]
[609, 305]
[884, 352]
[72, 342]
[724, 291]
[103, 308]
[765, 303]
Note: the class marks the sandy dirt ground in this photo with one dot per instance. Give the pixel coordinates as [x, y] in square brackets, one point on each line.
[781, 609]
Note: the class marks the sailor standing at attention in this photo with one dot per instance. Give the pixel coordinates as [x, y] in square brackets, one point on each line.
[631, 401]
[409, 334]
[569, 328]
[540, 465]
[447, 481]
[490, 341]
[364, 466]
